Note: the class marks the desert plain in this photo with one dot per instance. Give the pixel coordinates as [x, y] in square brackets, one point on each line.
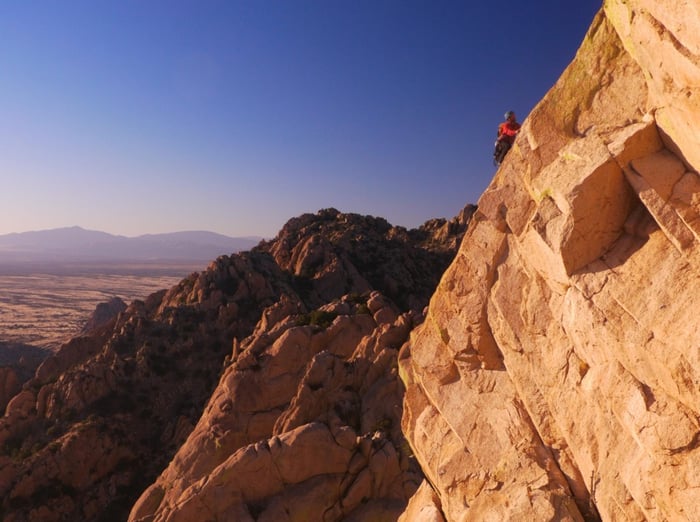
[43, 306]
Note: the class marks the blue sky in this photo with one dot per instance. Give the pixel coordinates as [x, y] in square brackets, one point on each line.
[147, 116]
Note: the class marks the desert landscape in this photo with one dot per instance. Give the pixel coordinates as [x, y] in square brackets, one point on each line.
[43, 306]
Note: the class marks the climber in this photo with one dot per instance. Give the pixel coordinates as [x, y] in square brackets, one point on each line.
[505, 137]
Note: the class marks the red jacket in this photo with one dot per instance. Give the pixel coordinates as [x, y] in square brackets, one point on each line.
[508, 130]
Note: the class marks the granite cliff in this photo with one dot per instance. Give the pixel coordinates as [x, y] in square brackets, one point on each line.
[273, 373]
[556, 374]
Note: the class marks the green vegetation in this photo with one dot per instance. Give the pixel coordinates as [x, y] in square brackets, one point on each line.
[363, 309]
[361, 301]
[317, 318]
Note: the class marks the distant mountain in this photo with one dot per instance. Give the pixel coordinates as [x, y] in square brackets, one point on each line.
[77, 244]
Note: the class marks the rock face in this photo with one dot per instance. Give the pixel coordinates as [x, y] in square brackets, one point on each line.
[282, 359]
[304, 425]
[556, 374]
[104, 312]
[18, 362]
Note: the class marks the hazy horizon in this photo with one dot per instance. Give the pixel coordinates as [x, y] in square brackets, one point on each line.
[86, 229]
[137, 118]
[77, 245]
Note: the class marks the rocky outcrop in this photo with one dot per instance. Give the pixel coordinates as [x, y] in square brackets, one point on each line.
[331, 252]
[297, 341]
[555, 376]
[304, 425]
[18, 362]
[9, 385]
[305, 422]
[104, 312]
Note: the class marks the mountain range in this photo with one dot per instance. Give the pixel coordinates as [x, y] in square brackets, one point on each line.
[75, 244]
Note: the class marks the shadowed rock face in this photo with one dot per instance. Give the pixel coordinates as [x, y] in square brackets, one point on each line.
[558, 363]
[293, 345]
[331, 252]
[18, 362]
[104, 312]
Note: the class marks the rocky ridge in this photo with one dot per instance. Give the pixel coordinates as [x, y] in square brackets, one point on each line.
[103, 314]
[558, 363]
[290, 352]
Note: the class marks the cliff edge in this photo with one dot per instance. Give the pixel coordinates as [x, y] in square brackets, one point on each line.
[555, 376]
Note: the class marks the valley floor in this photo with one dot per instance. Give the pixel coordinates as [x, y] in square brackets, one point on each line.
[45, 309]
